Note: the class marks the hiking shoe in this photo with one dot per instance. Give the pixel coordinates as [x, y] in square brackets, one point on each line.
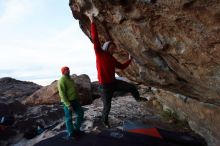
[141, 99]
[70, 138]
[107, 125]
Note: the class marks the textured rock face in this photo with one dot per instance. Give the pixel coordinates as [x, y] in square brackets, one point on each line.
[203, 118]
[175, 44]
[176, 38]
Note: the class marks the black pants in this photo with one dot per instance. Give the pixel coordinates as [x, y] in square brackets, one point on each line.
[107, 94]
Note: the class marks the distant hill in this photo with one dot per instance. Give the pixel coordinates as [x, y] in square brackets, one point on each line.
[11, 89]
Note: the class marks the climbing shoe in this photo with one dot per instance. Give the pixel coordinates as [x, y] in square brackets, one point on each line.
[71, 137]
[106, 125]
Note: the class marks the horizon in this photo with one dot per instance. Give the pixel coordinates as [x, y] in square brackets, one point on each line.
[38, 38]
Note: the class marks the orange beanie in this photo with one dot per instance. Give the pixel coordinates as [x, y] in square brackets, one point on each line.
[63, 69]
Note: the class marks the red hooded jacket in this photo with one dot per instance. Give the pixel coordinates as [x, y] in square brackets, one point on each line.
[105, 62]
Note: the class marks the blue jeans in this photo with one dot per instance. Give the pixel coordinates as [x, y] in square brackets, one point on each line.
[68, 117]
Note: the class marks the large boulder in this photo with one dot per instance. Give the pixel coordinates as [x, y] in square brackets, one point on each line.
[84, 88]
[49, 94]
[175, 45]
[46, 95]
[96, 93]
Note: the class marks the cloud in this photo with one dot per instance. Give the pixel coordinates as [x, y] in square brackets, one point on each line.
[38, 55]
[40, 60]
[14, 11]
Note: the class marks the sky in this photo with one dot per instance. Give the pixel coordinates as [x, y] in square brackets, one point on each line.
[38, 37]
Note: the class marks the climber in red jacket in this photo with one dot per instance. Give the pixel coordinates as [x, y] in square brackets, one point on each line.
[106, 65]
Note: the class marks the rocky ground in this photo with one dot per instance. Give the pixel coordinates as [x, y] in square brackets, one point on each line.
[123, 108]
[50, 118]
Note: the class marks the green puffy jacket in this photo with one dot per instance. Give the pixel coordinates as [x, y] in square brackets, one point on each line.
[67, 90]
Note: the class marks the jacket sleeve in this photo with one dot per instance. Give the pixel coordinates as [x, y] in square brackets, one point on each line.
[122, 66]
[95, 39]
[62, 93]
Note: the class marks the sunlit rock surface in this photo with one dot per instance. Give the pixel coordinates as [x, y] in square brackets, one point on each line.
[49, 94]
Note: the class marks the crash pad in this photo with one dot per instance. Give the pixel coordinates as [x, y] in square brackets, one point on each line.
[106, 138]
[174, 137]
